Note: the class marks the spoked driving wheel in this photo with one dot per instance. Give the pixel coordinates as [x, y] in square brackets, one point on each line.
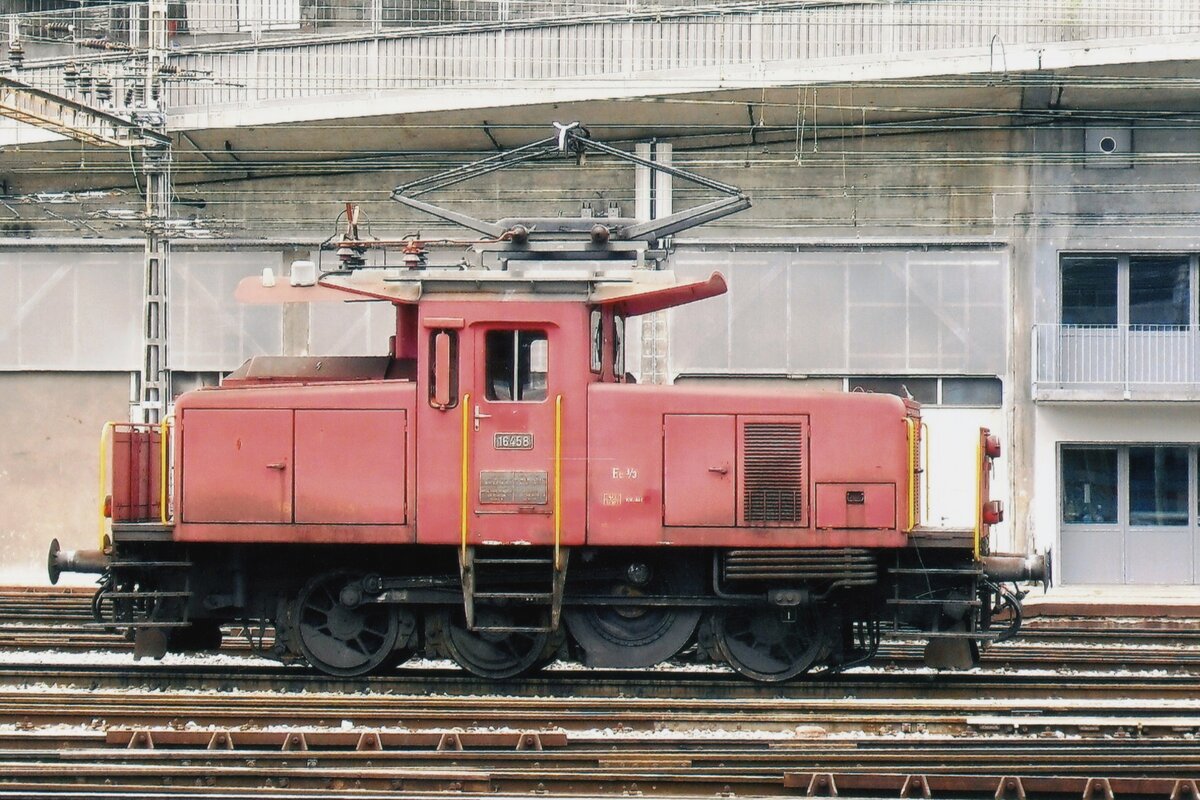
[622, 634]
[338, 639]
[761, 644]
[497, 653]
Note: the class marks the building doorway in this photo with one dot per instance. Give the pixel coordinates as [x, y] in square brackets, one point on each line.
[1128, 514]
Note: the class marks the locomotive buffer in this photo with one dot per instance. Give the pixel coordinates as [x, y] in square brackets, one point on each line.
[497, 490]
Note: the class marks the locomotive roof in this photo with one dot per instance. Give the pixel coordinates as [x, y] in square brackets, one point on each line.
[630, 291]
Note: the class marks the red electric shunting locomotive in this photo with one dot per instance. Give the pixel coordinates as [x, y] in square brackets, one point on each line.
[496, 490]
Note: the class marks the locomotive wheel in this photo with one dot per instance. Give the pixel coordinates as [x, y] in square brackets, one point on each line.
[760, 645]
[337, 639]
[635, 637]
[495, 655]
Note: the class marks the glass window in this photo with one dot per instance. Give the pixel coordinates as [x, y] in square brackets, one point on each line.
[517, 364]
[597, 340]
[619, 347]
[923, 390]
[972, 392]
[1159, 290]
[1089, 485]
[1089, 291]
[1158, 480]
[447, 342]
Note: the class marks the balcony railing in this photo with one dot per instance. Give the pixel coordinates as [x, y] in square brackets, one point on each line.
[1116, 362]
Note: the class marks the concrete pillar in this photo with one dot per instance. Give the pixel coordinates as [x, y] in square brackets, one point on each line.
[653, 200]
[1019, 380]
[297, 317]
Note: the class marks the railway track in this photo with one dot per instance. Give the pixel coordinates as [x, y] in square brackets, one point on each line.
[33, 619]
[236, 726]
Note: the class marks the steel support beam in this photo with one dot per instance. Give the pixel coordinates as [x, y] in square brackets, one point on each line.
[154, 394]
[70, 118]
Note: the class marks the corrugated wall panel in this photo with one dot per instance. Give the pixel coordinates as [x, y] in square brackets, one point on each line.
[881, 311]
[71, 311]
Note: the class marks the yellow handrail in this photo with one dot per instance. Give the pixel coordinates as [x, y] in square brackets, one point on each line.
[978, 496]
[925, 463]
[557, 480]
[104, 436]
[910, 429]
[466, 451]
[164, 438]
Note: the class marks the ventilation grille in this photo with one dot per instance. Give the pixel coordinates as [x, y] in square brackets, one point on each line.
[772, 473]
[846, 566]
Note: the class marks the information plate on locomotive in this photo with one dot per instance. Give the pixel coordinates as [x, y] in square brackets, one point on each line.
[512, 441]
[512, 487]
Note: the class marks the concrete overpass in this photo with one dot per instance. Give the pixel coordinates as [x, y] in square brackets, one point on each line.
[701, 76]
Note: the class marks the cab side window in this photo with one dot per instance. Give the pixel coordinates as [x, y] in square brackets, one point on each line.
[597, 341]
[619, 347]
[443, 369]
[517, 365]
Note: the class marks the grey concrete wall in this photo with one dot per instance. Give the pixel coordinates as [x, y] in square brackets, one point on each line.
[911, 184]
[949, 183]
[50, 427]
[1072, 205]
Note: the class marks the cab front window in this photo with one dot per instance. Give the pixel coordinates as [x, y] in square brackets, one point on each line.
[518, 362]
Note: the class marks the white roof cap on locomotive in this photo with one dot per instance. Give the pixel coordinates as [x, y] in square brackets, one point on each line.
[632, 291]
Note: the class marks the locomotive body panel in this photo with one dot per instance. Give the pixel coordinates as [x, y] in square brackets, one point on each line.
[692, 466]
[297, 463]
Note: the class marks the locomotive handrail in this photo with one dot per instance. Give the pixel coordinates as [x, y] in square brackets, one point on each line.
[164, 441]
[926, 462]
[911, 438]
[104, 435]
[979, 456]
[466, 451]
[558, 402]
[164, 467]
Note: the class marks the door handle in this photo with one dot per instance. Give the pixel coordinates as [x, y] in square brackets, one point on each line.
[719, 470]
[277, 465]
[480, 415]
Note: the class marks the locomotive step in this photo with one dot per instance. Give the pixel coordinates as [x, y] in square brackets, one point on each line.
[909, 635]
[538, 561]
[933, 571]
[529, 597]
[510, 629]
[122, 625]
[892, 601]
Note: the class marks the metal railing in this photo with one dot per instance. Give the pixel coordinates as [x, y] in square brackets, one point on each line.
[1106, 357]
[240, 53]
[119, 25]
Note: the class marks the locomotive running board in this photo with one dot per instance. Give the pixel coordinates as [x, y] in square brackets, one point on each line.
[494, 565]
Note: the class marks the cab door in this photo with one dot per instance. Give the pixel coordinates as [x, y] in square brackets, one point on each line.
[514, 454]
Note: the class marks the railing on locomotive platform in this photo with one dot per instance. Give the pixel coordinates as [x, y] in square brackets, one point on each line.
[139, 486]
